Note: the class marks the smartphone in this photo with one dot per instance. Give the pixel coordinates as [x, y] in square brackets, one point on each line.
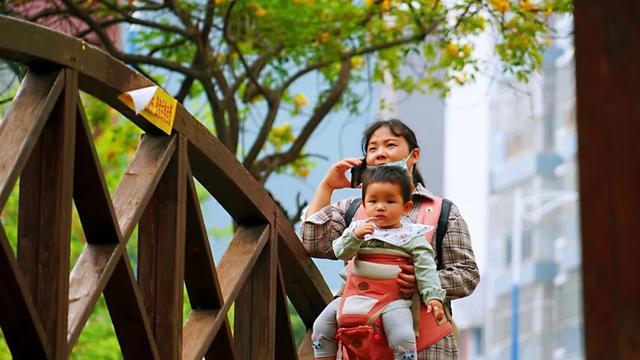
[356, 174]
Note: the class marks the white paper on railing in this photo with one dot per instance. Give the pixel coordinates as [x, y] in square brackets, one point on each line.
[154, 104]
[142, 97]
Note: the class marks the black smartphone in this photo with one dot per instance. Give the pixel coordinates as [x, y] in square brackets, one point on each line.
[356, 173]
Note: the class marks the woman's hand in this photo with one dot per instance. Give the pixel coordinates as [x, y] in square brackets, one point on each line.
[407, 281]
[335, 177]
[435, 306]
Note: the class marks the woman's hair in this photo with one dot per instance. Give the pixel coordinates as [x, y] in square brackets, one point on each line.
[388, 175]
[398, 128]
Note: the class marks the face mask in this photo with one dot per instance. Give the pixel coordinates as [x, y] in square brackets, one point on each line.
[402, 164]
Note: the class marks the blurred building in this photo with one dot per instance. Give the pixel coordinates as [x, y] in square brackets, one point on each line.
[533, 208]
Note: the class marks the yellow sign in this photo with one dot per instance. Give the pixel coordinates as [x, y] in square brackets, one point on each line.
[154, 104]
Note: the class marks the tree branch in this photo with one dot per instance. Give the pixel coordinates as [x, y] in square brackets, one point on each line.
[367, 50]
[185, 87]
[216, 110]
[260, 140]
[267, 93]
[267, 165]
[126, 16]
[128, 58]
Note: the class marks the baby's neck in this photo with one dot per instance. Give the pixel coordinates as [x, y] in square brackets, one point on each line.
[393, 226]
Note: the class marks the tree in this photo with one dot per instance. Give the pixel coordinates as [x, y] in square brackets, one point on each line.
[246, 57]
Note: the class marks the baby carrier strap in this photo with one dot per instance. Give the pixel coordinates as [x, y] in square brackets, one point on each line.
[434, 212]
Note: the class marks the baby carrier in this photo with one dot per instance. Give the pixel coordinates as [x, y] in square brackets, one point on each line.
[370, 287]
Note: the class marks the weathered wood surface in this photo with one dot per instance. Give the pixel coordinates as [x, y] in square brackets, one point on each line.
[607, 41]
[161, 241]
[264, 263]
[19, 318]
[44, 227]
[22, 124]
[255, 334]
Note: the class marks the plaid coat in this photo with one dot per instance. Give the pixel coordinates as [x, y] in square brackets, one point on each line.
[459, 275]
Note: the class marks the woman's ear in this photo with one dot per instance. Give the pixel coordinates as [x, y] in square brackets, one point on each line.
[413, 158]
[407, 207]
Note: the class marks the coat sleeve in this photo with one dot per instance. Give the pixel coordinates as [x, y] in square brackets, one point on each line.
[459, 275]
[317, 231]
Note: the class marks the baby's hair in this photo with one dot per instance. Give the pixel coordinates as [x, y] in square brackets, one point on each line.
[389, 175]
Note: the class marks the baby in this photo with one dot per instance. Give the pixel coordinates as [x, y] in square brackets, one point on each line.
[386, 194]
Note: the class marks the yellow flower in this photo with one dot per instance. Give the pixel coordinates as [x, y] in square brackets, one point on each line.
[368, 2]
[303, 172]
[467, 49]
[527, 5]
[357, 62]
[218, 2]
[324, 37]
[260, 12]
[300, 100]
[548, 11]
[500, 5]
[452, 50]
[386, 5]
[548, 41]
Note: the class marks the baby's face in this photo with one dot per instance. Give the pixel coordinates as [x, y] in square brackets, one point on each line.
[383, 202]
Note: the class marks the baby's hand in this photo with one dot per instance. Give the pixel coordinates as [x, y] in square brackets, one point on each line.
[366, 228]
[435, 306]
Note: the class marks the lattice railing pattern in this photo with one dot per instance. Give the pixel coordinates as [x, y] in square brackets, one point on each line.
[45, 141]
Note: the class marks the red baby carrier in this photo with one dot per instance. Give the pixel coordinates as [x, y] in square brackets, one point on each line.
[367, 293]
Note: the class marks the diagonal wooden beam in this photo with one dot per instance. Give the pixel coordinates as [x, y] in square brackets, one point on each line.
[90, 192]
[305, 350]
[105, 246]
[86, 282]
[234, 269]
[140, 180]
[255, 306]
[200, 274]
[285, 342]
[127, 312]
[91, 271]
[19, 318]
[304, 283]
[203, 288]
[238, 261]
[21, 127]
[223, 346]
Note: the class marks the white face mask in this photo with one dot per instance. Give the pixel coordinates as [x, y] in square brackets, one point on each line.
[402, 164]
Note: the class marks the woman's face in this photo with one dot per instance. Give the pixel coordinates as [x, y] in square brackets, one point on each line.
[385, 147]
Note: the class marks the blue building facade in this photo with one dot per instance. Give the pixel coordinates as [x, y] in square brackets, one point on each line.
[534, 306]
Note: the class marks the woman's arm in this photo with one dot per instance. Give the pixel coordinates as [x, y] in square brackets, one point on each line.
[459, 275]
[318, 231]
[334, 179]
[322, 221]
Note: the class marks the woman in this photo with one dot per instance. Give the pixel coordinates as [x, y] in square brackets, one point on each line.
[385, 142]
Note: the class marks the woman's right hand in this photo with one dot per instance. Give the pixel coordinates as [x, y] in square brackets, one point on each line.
[336, 177]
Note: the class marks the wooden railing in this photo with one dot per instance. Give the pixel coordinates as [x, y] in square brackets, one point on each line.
[45, 142]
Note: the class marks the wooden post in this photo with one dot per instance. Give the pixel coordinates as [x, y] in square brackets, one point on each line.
[161, 255]
[44, 229]
[607, 40]
[256, 306]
